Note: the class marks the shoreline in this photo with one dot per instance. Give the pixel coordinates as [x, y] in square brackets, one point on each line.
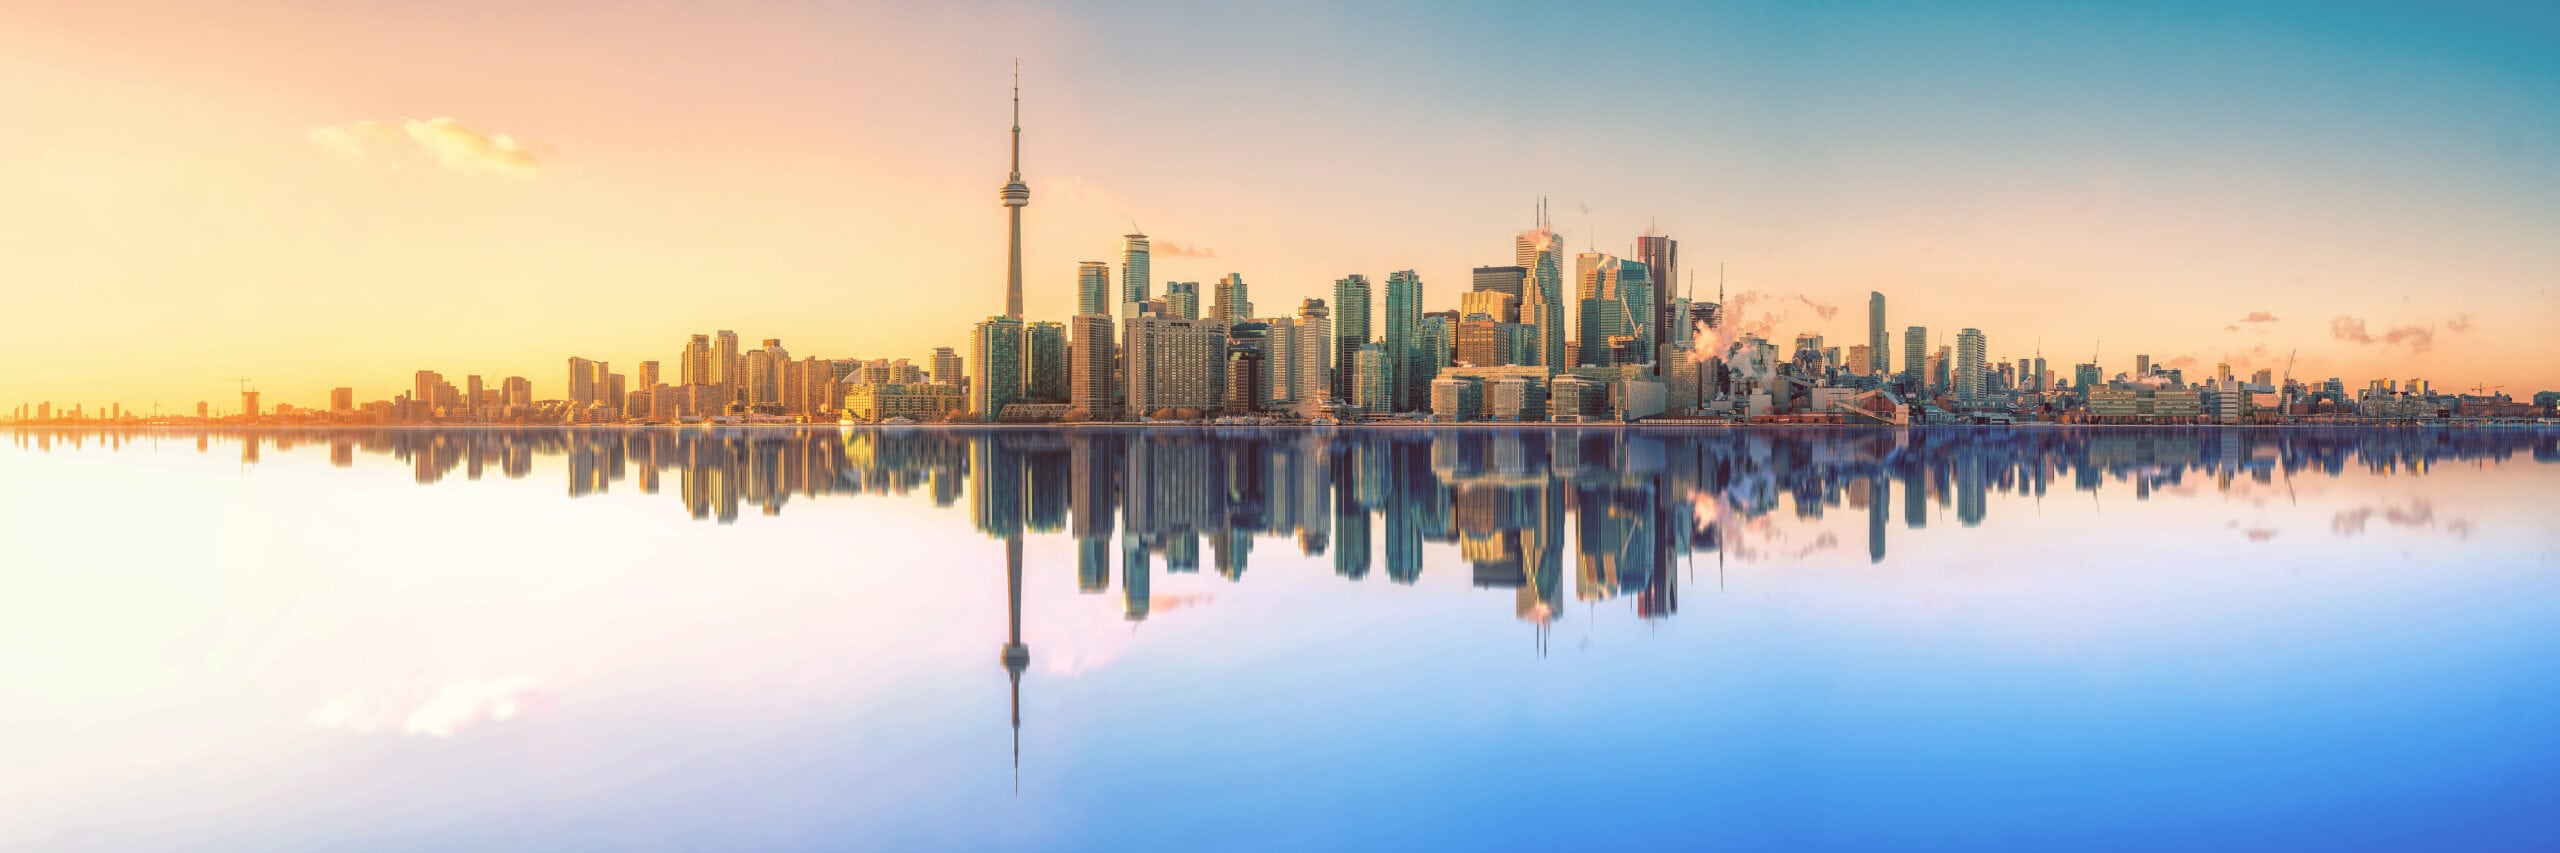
[1463, 425]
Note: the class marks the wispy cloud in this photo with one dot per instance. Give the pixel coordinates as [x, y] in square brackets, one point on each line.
[440, 141]
[1170, 249]
[2259, 317]
[2353, 330]
[2459, 325]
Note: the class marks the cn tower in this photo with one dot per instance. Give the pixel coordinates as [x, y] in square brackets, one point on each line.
[1016, 195]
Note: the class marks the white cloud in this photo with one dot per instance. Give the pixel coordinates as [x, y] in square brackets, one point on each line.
[441, 141]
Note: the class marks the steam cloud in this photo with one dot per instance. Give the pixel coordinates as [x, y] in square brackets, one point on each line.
[441, 141]
[1823, 310]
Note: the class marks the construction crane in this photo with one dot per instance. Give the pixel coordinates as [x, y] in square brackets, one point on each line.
[244, 388]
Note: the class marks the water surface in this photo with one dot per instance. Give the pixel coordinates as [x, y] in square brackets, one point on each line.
[1473, 638]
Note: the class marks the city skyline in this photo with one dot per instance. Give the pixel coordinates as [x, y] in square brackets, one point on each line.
[458, 242]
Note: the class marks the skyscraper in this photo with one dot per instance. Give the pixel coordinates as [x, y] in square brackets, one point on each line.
[1093, 287]
[1494, 304]
[1248, 354]
[1915, 358]
[1315, 353]
[1182, 299]
[947, 368]
[693, 365]
[995, 352]
[1401, 336]
[1045, 354]
[1617, 307]
[1351, 304]
[1969, 363]
[1501, 279]
[1232, 305]
[724, 363]
[582, 383]
[1016, 196]
[1172, 363]
[1661, 258]
[1092, 384]
[1878, 349]
[1135, 286]
[1282, 362]
[1540, 253]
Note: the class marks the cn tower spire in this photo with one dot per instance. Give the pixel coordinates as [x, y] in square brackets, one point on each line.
[1017, 120]
[1016, 195]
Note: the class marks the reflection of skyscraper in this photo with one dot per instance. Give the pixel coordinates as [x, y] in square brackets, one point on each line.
[1879, 506]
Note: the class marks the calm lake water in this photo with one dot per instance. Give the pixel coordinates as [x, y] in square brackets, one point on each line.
[1212, 639]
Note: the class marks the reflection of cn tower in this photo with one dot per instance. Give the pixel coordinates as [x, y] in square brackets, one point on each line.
[1016, 655]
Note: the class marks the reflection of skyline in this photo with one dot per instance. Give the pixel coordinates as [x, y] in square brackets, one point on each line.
[1637, 503]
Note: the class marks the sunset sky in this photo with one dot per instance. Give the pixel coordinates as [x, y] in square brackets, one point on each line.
[325, 194]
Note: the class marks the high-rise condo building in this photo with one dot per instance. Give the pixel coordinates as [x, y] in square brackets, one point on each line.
[1915, 358]
[1315, 354]
[1045, 346]
[582, 383]
[1877, 346]
[342, 399]
[947, 368]
[1135, 287]
[724, 358]
[1282, 362]
[1172, 363]
[1969, 385]
[1182, 299]
[1092, 381]
[1372, 382]
[1510, 280]
[1351, 304]
[693, 365]
[995, 353]
[1660, 256]
[2141, 366]
[1093, 287]
[1401, 334]
[1232, 304]
[1248, 357]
